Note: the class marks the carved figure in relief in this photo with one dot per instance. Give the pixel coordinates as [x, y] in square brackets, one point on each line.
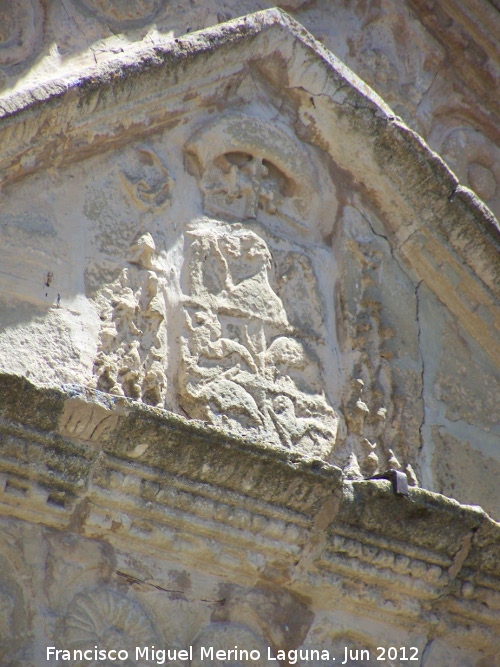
[133, 338]
[242, 365]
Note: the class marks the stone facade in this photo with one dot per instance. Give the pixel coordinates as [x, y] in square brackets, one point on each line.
[235, 288]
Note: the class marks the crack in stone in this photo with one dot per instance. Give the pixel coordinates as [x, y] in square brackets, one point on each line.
[75, 23]
[461, 555]
[427, 647]
[330, 97]
[317, 535]
[422, 361]
[424, 94]
[391, 249]
[132, 580]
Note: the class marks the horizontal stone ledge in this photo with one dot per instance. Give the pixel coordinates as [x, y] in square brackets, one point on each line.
[81, 422]
[70, 427]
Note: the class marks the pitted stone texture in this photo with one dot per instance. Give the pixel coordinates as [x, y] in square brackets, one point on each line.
[243, 366]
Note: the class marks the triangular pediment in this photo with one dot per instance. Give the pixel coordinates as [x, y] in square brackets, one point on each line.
[146, 90]
[239, 196]
[249, 362]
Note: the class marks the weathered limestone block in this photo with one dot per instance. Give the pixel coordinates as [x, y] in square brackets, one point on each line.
[461, 391]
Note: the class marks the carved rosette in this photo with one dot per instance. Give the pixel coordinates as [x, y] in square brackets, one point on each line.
[21, 28]
[108, 620]
[475, 160]
[123, 13]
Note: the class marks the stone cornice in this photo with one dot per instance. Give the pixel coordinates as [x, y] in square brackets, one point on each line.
[480, 20]
[113, 469]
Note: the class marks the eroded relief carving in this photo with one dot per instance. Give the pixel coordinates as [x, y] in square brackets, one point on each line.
[249, 168]
[242, 183]
[109, 620]
[21, 26]
[248, 355]
[123, 13]
[133, 337]
[146, 180]
[380, 423]
[243, 365]
[252, 333]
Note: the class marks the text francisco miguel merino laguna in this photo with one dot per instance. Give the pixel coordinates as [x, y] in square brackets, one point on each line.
[161, 656]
